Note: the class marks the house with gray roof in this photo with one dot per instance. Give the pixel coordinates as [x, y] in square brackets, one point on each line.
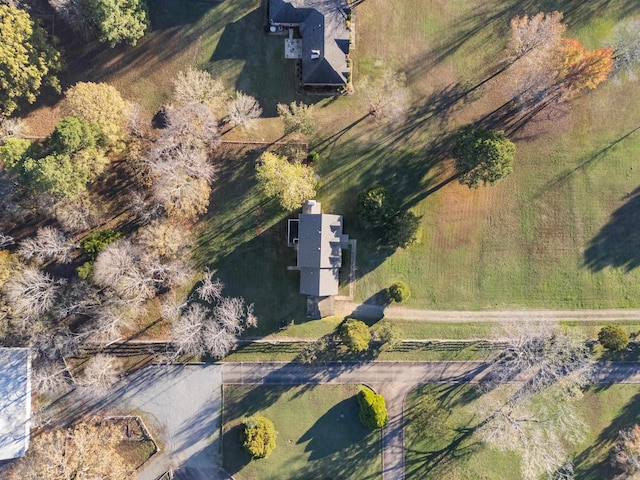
[319, 241]
[15, 402]
[325, 38]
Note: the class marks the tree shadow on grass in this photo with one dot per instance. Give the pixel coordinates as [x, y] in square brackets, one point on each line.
[235, 459]
[586, 467]
[618, 243]
[339, 446]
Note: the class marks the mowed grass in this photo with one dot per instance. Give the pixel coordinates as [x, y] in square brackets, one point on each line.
[319, 434]
[605, 410]
[560, 232]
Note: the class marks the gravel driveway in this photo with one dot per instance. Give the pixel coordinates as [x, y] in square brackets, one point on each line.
[182, 407]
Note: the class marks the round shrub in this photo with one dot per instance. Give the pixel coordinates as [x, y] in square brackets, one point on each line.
[376, 206]
[355, 335]
[258, 437]
[373, 409]
[399, 292]
[313, 157]
[96, 241]
[613, 337]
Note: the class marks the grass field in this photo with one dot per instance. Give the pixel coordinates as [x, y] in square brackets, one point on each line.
[560, 232]
[319, 434]
[605, 411]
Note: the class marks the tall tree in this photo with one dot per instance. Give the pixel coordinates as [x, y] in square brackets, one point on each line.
[198, 86]
[290, 183]
[244, 110]
[538, 35]
[387, 97]
[27, 60]
[482, 155]
[100, 104]
[581, 68]
[118, 21]
[297, 117]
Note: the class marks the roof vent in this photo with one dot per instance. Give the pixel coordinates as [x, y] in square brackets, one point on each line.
[315, 54]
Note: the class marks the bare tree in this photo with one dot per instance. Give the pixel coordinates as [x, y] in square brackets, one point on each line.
[31, 293]
[210, 290]
[388, 97]
[49, 244]
[187, 330]
[626, 46]
[6, 240]
[50, 379]
[119, 266]
[100, 373]
[85, 451]
[197, 86]
[11, 128]
[538, 35]
[625, 454]
[145, 208]
[78, 214]
[193, 125]
[165, 238]
[244, 110]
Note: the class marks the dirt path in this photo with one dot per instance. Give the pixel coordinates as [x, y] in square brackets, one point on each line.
[368, 311]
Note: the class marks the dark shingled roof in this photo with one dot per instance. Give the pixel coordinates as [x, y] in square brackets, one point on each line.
[323, 28]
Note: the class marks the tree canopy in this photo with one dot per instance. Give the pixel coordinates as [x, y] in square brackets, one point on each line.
[613, 337]
[482, 156]
[290, 183]
[297, 117]
[373, 409]
[118, 21]
[98, 103]
[27, 60]
[259, 437]
[355, 334]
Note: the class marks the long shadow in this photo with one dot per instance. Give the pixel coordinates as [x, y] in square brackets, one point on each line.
[586, 469]
[618, 243]
[258, 61]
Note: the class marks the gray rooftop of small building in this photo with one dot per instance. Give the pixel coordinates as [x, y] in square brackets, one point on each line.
[15, 402]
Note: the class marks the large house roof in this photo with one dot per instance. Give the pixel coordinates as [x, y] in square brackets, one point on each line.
[15, 402]
[323, 29]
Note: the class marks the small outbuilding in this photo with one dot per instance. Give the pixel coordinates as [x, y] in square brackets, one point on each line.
[15, 402]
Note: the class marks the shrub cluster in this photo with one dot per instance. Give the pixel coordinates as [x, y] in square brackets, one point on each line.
[373, 409]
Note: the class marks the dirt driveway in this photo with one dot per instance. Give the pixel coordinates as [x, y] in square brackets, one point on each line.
[182, 407]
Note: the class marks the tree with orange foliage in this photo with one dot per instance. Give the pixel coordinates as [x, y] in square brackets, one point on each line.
[581, 68]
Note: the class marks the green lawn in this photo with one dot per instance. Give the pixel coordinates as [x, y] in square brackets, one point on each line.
[605, 410]
[560, 232]
[319, 434]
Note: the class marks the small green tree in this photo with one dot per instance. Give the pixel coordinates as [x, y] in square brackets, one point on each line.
[355, 335]
[401, 229]
[290, 183]
[258, 437]
[97, 240]
[613, 337]
[27, 60]
[399, 292]
[297, 117]
[481, 155]
[376, 205]
[373, 409]
[118, 21]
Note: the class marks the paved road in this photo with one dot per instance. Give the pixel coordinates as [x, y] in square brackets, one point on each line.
[394, 380]
[373, 311]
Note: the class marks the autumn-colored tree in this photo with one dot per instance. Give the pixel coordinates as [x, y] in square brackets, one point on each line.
[27, 60]
[290, 183]
[540, 33]
[581, 68]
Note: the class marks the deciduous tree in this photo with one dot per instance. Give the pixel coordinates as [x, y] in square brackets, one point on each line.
[387, 97]
[625, 454]
[244, 110]
[117, 21]
[85, 451]
[482, 156]
[290, 183]
[100, 374]
[98, 103]
[48, 244]
[27, 60]
[198, 86]
[355, 334]
[613, 337]
[31, 293]
[297, 117]
[583, 69]
[537, 35]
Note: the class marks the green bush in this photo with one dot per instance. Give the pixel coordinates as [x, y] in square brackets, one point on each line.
[85, 271]
[313, 157]
[258, 437]
[355, 335]
[373, 409]
[399, 292]
[613, 337]
[97, 240]
[401, 229]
